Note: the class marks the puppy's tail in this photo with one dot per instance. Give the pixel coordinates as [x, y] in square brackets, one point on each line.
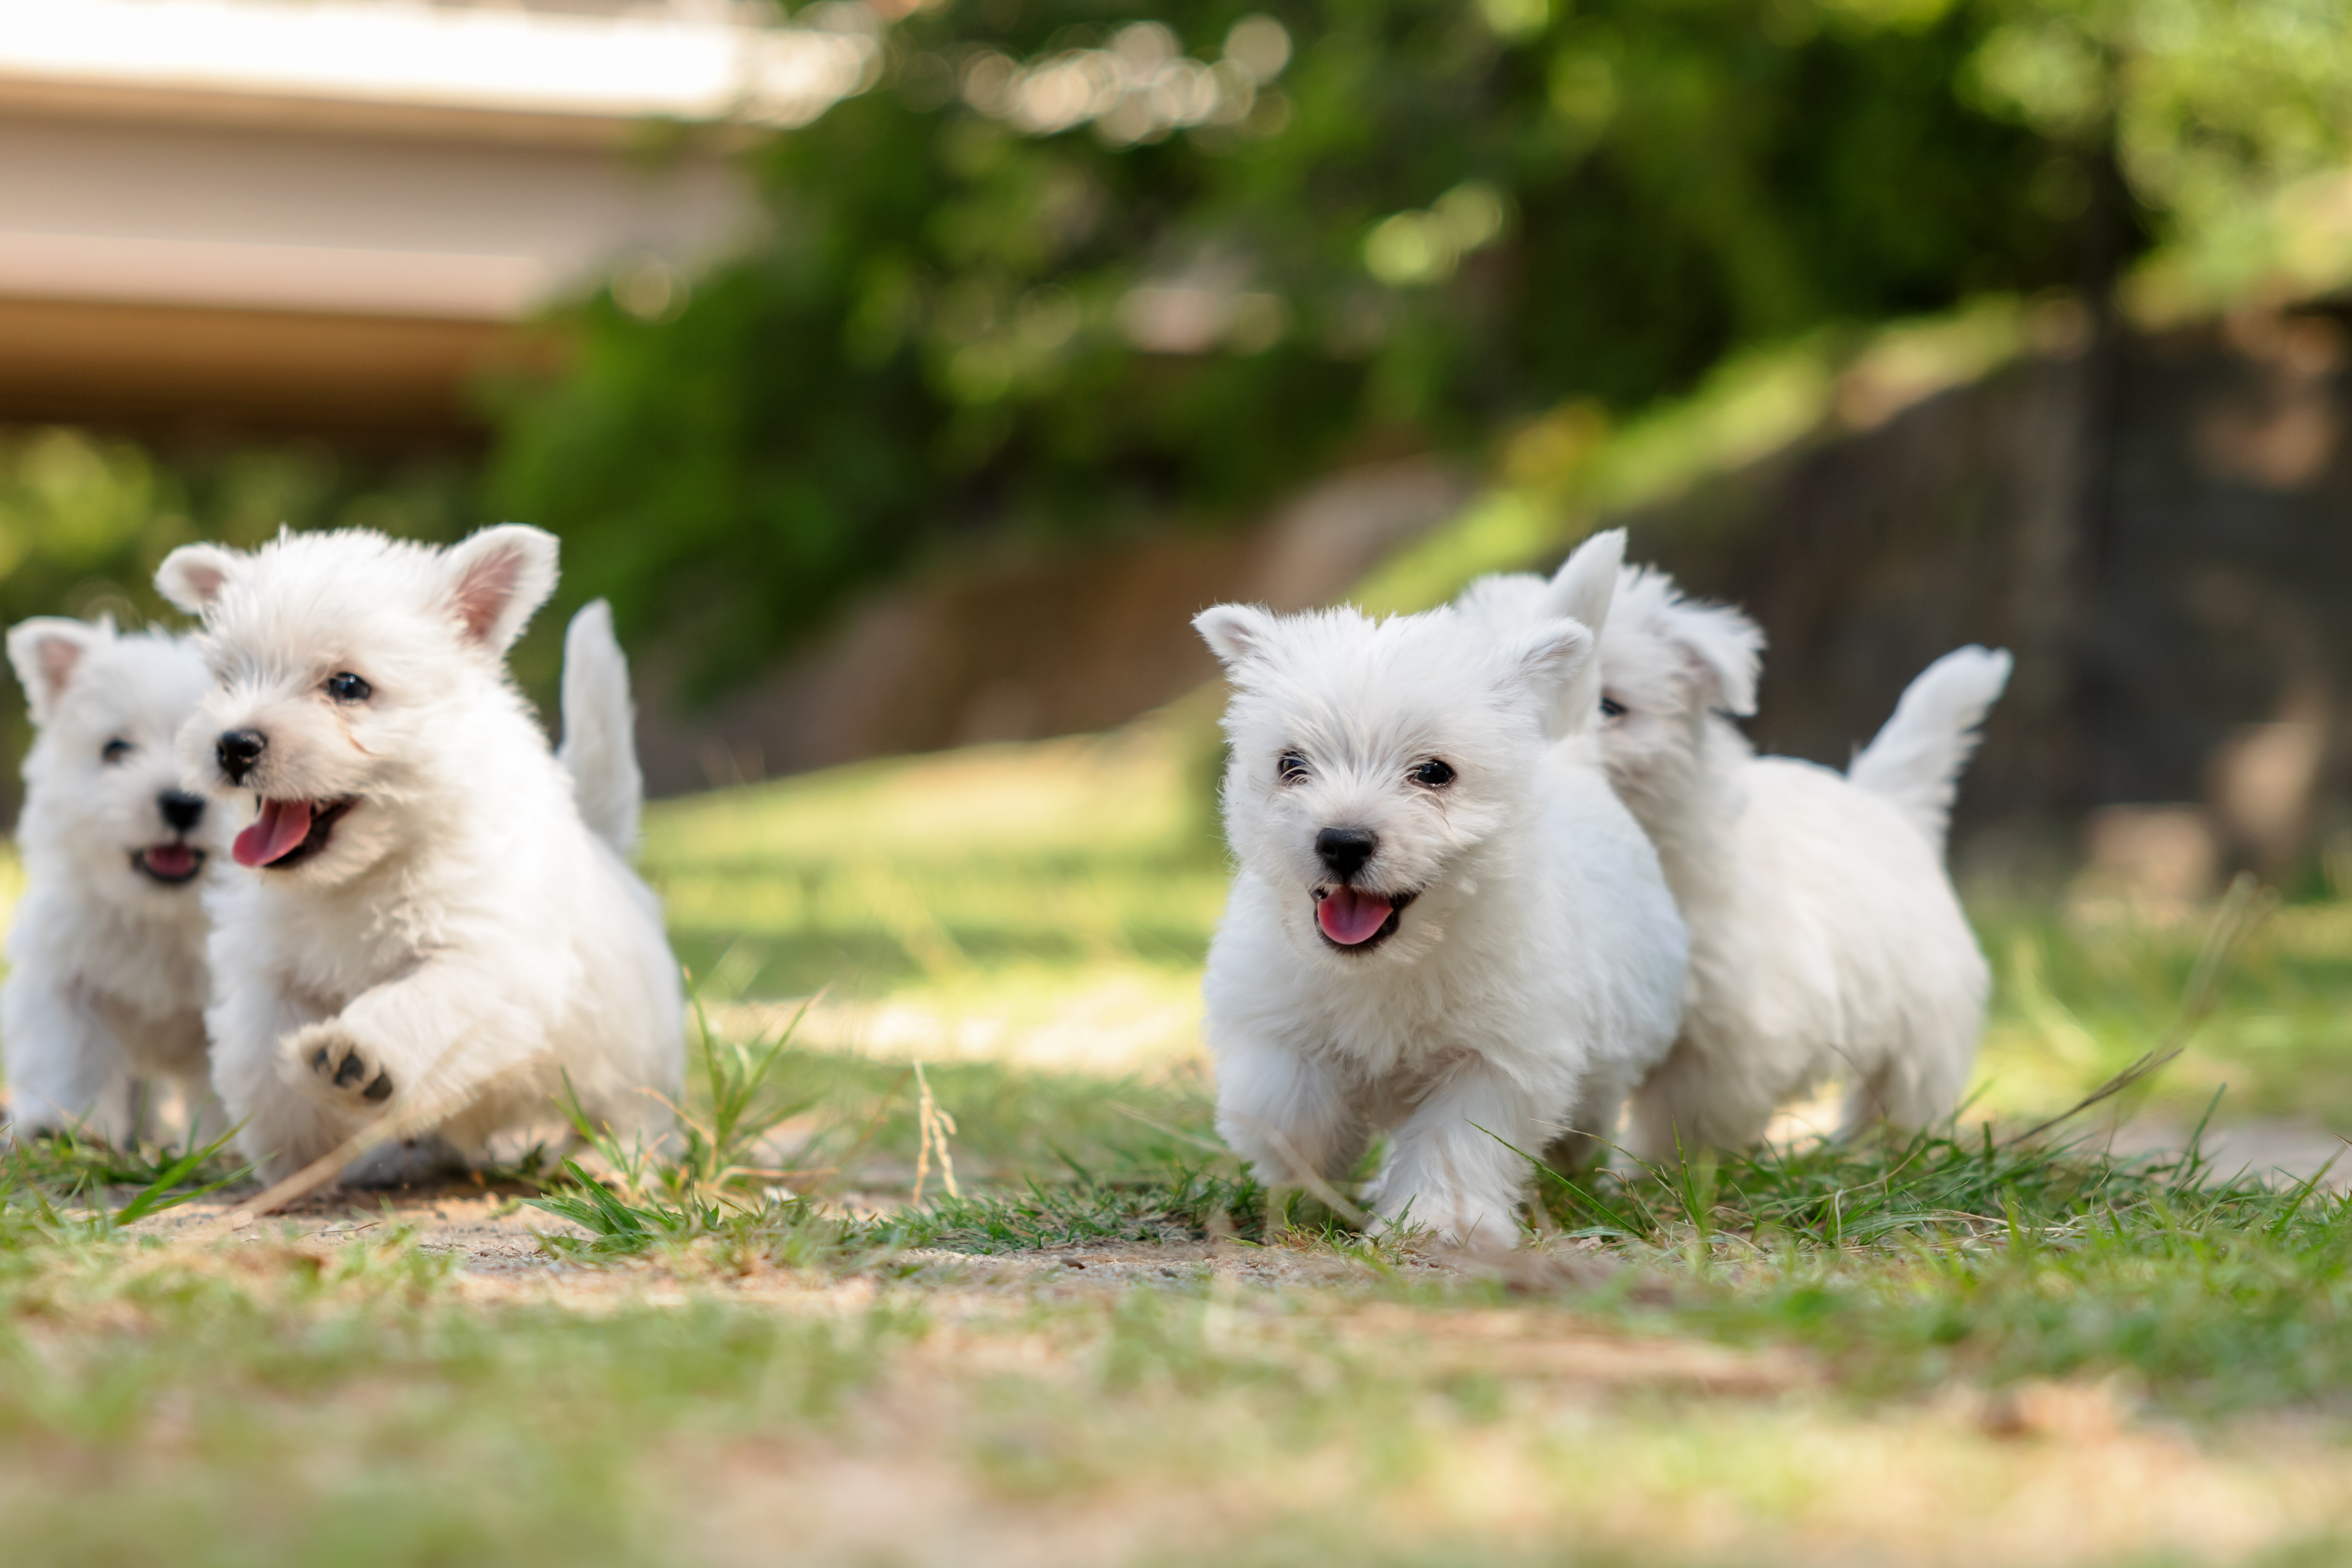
[1581, 590]
[600, 728]
[1916, 760]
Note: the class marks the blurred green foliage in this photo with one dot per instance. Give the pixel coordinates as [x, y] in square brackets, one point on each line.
[84, 520]
[1074, 269]
[2212, 105]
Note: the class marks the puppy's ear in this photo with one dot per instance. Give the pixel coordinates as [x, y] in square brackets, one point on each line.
[1583, 587]
[193, 576]
[496, 579]
[47, 651]
[1235, 632]
[1724, 650]
[1548, 653]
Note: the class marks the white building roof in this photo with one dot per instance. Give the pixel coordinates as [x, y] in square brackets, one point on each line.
[344, 58]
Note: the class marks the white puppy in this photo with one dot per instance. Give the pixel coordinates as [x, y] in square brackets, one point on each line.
[1825, 933]
[436, 911]
[105, 998]
[1440, 927]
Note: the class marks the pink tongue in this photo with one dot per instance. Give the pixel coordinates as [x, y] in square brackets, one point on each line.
[282, 825]
[170, 860]
[1348, 917]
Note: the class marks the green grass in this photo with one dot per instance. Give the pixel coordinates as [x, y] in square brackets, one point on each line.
[983, 873]
[2076, 1004]
[287, 1401]
[759, 1349]
[1940, 1259]
[1913, 1261]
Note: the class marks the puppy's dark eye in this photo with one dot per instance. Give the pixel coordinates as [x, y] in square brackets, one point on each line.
[1290, 768]
[1611, 708]
[347, 687]
[1432, 775]
[115, 750]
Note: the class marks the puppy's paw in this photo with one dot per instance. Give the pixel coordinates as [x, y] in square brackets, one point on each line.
[334, 1068]
[1453, 1222]
[1484, 1236]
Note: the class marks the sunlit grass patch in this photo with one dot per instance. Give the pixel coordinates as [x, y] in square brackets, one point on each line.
[1110, 1018]
[2074, 1001]
[2204, 1303]
[298, 1411]
[1184, 1203]
[980, 875]
[771, 1138]
[288, 1403]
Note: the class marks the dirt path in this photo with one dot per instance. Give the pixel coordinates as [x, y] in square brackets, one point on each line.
[491, 1231]
[493, 1237]
[2270, 1150]
[1616, 1435]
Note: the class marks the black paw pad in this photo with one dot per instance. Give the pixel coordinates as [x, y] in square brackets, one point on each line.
[351, 1072]
[379, 1090]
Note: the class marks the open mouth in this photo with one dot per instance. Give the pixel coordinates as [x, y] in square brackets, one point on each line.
[1356, 920]
[168, 863]
[288, 832]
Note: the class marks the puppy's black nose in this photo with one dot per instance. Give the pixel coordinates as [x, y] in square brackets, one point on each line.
[180, 808]
[240, 751]
[1345, 849]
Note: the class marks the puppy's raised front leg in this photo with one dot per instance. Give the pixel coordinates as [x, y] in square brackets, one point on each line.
[436, 1035]
[1280, 1110]
[1449, 1167]
[65, 1067]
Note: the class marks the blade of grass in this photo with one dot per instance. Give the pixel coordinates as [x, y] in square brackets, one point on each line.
[2242, 911]
[158, 1196]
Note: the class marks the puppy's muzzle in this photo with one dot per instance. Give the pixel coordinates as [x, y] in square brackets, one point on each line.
[182, 811]
[239, 751]
[1344, 851]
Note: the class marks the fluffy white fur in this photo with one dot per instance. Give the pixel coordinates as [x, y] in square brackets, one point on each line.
[1825, 933]
[600, 748]
[1581, 590]
[102, 1015]
[1914, 764]
[465, 936]
[1534, 976]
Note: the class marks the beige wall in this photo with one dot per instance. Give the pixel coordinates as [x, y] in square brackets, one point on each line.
[301, 277]
[343, 219]
[296, 218]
